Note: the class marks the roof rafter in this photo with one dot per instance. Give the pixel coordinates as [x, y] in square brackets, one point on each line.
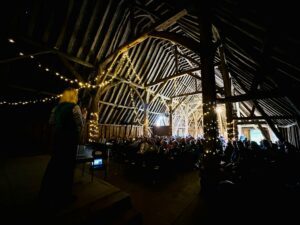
[174, 76]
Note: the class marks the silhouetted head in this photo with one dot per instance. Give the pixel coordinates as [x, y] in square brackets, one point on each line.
[69, 95]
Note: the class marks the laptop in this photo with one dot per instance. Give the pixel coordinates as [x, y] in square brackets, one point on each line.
[98, 163]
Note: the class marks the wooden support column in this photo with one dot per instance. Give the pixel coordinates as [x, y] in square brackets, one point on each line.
[227, 89]
[186, 120]
[176, 59]
[146, 114]
[170, 133]
[207, 52]
[146, 120]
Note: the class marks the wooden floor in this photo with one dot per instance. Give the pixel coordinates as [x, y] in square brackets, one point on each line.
[97, 201]
[160, 202]
[172, 200]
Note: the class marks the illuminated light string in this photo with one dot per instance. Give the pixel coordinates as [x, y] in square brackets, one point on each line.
[132, 66]
[61, 76]
[70, 81]
[116, 71]
[43, 100]
[35, 101]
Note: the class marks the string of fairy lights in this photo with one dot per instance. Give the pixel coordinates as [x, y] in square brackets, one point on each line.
[125, 60]
[131, 66]
[211, 125]
[42, 100]
[64, 78]
[94, 133]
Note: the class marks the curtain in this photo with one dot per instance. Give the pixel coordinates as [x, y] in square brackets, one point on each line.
[291, 134]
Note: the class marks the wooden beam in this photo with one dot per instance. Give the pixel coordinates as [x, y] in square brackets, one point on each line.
[138, 93]
[160, 25]
[133, 84]
[24, 56]
[250, 122]
[261, 111]
[155, 95]
[145, 9]
[64, 25]
[228, 93]
[179, 39]
[174, 109]
[70, 67]
[252, 110]
[262, 118]
[251, 96]
[180, 74]
[56, 51]
[187, 94]
[125, 107]
[191, 59]
[207, 55]
[174, 76]
[195, 76]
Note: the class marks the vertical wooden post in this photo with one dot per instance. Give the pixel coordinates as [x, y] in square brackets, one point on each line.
[227, 88]
[237, 128]
[146, 114]
[176, 59]
[146, 120]
[207, 52]
[186, 121]
[170, 133]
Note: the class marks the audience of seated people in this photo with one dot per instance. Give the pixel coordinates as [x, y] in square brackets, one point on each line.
[246, 163]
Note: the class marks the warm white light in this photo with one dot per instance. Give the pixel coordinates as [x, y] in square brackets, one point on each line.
[218, 109]
[11, 40]
[159, 121]
[21, 53]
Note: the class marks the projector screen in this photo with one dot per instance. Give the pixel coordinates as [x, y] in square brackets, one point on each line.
[256, 135]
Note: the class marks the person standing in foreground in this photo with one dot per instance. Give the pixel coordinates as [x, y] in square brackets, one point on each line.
[66, 121]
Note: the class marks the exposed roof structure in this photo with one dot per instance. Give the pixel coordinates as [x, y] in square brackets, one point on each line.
[74, 38]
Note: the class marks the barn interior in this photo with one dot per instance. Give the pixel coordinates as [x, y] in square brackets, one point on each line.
[189, 108]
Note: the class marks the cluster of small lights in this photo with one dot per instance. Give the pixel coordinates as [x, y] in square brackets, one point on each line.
[212, 125]
[209, 112]
[93, 128]
[108, 71]
[29, 102]
[132, 102]
[132, 66]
